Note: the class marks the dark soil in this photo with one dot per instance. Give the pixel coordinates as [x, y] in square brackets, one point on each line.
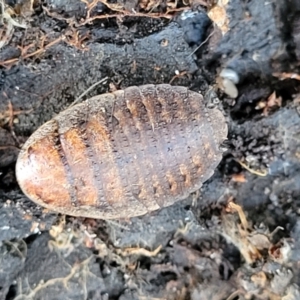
[218, 244]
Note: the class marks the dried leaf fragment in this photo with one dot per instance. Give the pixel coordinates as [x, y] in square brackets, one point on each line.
[285, 75]
[239, 178]
[260, 279]
[218, 15]
[273, 101]
[140, 251]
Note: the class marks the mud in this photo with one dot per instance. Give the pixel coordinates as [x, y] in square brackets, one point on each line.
[219, 243]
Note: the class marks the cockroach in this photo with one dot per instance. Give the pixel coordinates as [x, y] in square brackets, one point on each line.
[123, 154]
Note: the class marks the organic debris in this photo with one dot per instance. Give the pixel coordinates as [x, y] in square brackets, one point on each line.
[286, 75]
[8, 23]
[272, 102]
[255, 172]
[250, 241]
[219, 16]
[72, 35]
[203, 247]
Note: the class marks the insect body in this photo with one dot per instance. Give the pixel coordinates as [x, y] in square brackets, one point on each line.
[123, 154]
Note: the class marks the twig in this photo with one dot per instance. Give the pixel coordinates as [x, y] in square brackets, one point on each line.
[285, 75]
[141, 251]
[259, 173]
[234, 295]
[203, 42]
[88, 90]
[231, 205]
[120, 13]
[9, 146]
[43, 48]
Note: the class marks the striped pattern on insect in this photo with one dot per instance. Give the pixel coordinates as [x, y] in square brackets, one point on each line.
[123, 154]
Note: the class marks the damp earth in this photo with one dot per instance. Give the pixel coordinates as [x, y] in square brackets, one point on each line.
[235, 238]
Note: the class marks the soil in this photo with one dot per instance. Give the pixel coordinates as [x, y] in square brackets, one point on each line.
[238, 238]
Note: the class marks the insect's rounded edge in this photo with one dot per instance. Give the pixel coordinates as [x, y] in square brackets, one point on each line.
[23, 170]
[219, 125]
[40, 172]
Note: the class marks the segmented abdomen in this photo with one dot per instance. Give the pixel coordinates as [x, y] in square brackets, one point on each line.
[123, 154]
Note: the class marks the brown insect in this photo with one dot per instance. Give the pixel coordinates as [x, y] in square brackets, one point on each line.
[123, 154]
